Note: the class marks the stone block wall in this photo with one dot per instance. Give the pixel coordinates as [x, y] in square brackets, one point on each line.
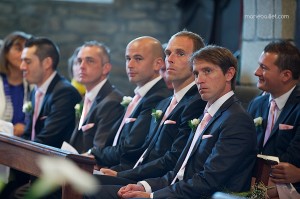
[70, 24]
[263, 21]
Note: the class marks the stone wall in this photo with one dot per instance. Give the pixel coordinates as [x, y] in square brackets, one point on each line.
[70, 24]
[264, 21]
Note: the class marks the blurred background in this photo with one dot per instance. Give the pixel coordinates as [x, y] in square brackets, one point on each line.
[244, 27]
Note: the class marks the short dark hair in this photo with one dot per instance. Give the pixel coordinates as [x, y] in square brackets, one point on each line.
[45, 48]
[288, 56]
[219, 56]
[198, 42]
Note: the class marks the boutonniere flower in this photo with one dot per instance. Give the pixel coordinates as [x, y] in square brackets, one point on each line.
[156, 114]
[258, 121]
[194, 123]
[78, 110]
[126, 101]
[27, 107]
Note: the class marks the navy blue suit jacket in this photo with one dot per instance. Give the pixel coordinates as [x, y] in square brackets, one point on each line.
[56, 120]
[223, 161]
[284, 143]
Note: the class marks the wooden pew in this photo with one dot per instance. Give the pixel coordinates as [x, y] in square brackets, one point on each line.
[21, 154]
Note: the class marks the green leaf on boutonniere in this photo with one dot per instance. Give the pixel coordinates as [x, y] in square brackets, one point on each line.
[78, 110]
[193, 124]
[156, 114]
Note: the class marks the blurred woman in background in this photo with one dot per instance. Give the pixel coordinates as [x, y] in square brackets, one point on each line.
[14, 90]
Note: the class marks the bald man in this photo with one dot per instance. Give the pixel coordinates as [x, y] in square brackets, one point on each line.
[144, 58]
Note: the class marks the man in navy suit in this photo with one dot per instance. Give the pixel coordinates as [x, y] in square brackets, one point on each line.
[52, 119]
[278, 74]
[103, 98]
[170, 134]
[144, 57]
[55, 114]
[221, 154]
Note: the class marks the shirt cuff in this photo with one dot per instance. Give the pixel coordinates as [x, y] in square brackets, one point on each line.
[146, 186]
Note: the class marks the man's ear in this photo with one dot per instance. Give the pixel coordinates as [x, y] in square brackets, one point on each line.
[47, 63]
[106, 68]
[230, 73]
[159, 62]
[286, 75]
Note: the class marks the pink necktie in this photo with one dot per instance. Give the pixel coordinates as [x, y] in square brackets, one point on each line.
[38, 96]
[171, 106]
[271, 119]
[128, 112]
[169, 109]
[197, 135]
[86, 107]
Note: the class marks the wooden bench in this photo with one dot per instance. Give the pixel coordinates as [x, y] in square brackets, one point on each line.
[21, 155]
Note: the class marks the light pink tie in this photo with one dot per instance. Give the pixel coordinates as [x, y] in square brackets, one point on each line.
[271, 119]
[86, 107]
[197, 135]
[128, 112]
[170, 108]
[38, 96]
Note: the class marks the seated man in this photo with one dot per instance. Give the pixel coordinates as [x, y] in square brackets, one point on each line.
[102, 108]
[278, 133]
[173, 129]
[221, 154]
[144, 58]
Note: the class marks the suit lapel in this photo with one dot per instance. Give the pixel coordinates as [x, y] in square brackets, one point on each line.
[218, 114]
[49, 92]
[103, 92]
[291, 103]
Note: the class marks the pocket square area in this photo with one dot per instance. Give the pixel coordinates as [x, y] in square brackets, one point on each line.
[127, 120]
[285, 127]
[87, 126]
[206, 136]
[170, 122]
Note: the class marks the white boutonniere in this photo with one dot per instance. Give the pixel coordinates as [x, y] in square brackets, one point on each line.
[258, 121]
[156, 114]
[27, 107]
[78, 110]
[193, 124]
[126, 101]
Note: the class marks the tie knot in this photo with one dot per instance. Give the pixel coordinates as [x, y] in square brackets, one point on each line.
[173, 101]
[136, 98]
[273, 104]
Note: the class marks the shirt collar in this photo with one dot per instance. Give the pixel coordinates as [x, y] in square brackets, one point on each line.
[280, 101]
[180, 94]
[218, 103]
[44, 87]
[91, 95]
[142, 91]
